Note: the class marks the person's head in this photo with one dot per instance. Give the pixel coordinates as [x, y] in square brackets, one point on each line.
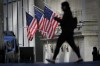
[65, 6]
[94, 48]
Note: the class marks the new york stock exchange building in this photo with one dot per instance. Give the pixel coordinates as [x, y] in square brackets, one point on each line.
[18, 20]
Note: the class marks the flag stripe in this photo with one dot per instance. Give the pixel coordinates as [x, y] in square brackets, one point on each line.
[51, 24]
[31, 26]
[40, 19]
[41, 23]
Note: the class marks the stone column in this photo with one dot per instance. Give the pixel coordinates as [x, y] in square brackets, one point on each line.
[89, 31]
[1, 23]
[31, 12]
[90, 28]
[38, 43]
[88, 36]
[99, 23]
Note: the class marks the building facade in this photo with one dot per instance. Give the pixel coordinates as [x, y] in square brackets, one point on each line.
[87, 35]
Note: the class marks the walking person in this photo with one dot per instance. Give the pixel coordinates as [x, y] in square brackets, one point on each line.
[67, 27]
[95, 54]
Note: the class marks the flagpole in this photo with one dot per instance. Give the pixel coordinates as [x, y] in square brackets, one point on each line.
[43, 10]
[50, 7]
[31, 12]
[38, 8]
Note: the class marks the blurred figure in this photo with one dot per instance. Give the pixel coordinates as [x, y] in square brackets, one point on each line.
[95, 54]
[67, 25]
[9, 52]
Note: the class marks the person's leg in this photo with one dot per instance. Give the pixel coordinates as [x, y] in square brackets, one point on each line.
[60, 41]
[70, 40]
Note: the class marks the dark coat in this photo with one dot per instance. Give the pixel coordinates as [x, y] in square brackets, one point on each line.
[66, 22]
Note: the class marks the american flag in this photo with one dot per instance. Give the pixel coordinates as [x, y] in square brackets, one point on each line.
[40, 18]
[50, 23]
[31, 26]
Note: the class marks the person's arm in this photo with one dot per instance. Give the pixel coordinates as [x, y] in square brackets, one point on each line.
[57, 19]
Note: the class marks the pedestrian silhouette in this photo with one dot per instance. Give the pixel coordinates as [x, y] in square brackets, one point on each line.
[95, 54]
[67, 26]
